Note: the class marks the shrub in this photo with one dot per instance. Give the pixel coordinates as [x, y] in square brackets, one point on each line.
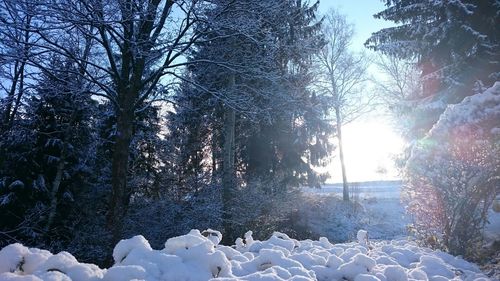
[452, 175]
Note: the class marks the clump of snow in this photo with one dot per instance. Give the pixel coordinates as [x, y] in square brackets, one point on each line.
[124, 247]
[199, 256]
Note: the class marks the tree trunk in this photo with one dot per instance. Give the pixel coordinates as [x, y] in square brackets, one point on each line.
[215, 156]
[345, 190]
[20, 93]
[8, 114]
[119, 167]
[18, 77]
[10, 96]
[55, 188]
[228, 172]
[228, 169]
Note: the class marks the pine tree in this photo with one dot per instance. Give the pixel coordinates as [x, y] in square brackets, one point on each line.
[194, 138]
[261, 78]
[276, 150]
[54, 145]
[455, 43]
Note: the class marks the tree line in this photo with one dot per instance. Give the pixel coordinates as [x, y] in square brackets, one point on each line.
[156, 117]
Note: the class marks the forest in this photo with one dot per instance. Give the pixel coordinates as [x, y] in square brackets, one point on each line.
[155, 117]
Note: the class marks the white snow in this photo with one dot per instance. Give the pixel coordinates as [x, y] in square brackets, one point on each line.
[198, 256]
[377, 208]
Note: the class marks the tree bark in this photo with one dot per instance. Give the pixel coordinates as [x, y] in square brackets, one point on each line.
[9, 100]
[119, 166]
[228, 173]
[215, 156]
[55, 188]
[228, 169]
[20, 93]
[345, 185]
[12, 101]
[18, 77]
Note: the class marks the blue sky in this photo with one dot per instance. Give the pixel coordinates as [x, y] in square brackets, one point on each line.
[360, 13]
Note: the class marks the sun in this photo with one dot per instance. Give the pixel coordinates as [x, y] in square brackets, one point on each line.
[370, 146]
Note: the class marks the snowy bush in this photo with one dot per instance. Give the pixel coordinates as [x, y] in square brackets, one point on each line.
[198, 256]
[160, 218]
[155, 218]
[453, 173]
[264, 209]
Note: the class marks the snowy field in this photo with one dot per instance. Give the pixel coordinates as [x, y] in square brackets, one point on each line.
[382, 213]
[363, 190]
[198, 256]
[378, 210]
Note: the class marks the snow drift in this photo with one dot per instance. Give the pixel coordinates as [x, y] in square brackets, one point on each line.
[199, 256]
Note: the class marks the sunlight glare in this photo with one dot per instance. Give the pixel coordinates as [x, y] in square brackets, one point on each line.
[369, 147]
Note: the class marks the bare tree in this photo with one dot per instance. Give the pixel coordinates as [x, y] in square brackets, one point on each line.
[15, 49]
[137, 46]
[342, 76]
[399, 83]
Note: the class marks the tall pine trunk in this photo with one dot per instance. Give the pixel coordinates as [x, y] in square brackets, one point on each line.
[228, 172]
[228, 169]
[214, 143]
[345, 189]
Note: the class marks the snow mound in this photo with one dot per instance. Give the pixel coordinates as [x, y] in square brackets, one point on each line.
[198, 256]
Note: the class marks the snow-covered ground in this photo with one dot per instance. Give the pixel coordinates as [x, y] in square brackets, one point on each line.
[377, 208]
[198, 256]
[363, 190]
[381, 211]
[382, 253]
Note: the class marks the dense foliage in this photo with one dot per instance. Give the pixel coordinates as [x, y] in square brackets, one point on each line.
[279, 124]
[47, 158]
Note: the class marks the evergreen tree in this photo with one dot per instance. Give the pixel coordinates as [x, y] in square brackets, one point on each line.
[285, 149]
[456, 45]
[277, 133]
[194, 139]
[147, 151]
[147, 182]
[148, 154]
[54, 145]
